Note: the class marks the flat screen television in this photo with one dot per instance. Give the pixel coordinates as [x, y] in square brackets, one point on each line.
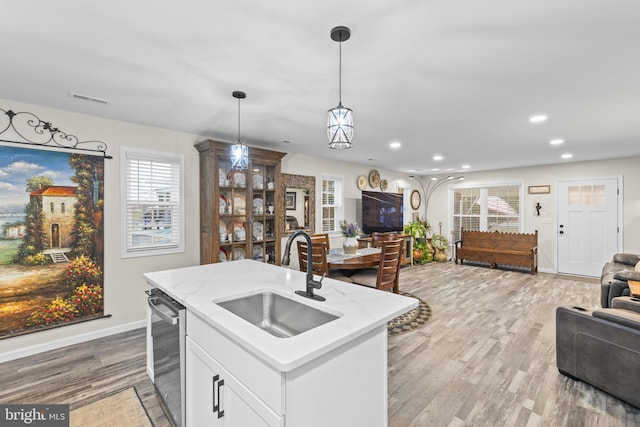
[381, 212]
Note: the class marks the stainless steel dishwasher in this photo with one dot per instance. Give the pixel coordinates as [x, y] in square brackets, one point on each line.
[168, 331]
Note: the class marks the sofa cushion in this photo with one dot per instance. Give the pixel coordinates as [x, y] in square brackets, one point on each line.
[627, 259]
[627, 318]
[610, 269]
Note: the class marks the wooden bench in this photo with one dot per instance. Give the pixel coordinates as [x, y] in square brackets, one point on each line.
[496, 248]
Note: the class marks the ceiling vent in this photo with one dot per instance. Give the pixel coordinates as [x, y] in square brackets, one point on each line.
[89, 98]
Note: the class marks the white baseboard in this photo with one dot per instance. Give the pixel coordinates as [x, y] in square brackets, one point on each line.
[76, 339]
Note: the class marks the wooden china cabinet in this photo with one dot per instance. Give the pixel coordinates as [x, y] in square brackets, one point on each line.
[239, 209]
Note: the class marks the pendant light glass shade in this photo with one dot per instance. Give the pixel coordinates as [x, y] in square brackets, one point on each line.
[340, 119]
[239, 156]
[239, 152]
[340, 127]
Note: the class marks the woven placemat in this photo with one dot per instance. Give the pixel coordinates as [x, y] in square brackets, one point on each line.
[412, 319]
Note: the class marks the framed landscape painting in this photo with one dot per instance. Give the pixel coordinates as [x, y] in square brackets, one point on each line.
[51, 239]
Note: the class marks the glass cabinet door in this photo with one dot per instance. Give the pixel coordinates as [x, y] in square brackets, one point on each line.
[263, 213]
[233, 212]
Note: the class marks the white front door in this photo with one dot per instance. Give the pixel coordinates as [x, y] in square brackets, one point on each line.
[587, 225]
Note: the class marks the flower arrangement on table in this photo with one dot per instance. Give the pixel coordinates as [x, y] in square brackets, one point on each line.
[351, 231]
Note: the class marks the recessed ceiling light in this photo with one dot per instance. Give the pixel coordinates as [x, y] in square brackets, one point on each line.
[437, 157]
[395, 145]
[435, 169]
[557, 141]
[448, 169]
[538, 118]
[466, 166]
[567, 156]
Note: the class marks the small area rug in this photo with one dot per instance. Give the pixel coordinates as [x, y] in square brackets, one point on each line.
[120, 409]
[412, 319]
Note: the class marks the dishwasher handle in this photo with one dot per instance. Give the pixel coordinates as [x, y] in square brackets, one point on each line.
[154, 301]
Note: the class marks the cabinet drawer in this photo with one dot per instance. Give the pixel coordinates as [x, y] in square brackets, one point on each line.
[264, 381]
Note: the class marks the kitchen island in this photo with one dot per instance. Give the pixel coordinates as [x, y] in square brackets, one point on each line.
[239, 374]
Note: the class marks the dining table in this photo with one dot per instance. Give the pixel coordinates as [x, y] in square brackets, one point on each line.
[363, 258]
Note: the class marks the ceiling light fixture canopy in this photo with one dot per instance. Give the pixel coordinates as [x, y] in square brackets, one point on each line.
[340, 119]
[239, 152]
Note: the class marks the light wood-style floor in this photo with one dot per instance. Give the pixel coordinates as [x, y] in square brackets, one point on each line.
[487, 358]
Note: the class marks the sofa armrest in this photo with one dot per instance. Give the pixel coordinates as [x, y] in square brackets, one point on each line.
[627, 318]
[599, 352]
[628, 259]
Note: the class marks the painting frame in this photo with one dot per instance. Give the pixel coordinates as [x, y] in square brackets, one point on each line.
[52, 228]
[290, 200]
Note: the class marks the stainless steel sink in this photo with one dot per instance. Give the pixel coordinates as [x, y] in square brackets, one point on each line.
[276, 314]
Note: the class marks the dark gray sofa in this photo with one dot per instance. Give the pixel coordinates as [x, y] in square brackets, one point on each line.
[613, 280]
[602, 347]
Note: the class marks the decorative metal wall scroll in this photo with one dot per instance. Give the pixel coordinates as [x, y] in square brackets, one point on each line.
[27, 128]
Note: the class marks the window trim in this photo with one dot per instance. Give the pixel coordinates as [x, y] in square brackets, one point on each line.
[158, 156]
[339, 203]
[484, 186]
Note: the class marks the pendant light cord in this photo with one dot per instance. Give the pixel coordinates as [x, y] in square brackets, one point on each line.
[238, 120]
[340, 75]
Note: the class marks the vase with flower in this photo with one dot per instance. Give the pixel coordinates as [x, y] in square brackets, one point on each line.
[350, 231]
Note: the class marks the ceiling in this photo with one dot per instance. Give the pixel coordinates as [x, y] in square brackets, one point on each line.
[453, 78]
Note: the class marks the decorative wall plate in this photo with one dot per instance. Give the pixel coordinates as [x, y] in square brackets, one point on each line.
[362, 182]
[415, 200]
[384, 184]
[374, 178]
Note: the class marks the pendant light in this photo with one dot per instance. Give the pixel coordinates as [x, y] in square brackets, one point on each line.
[340, 119]
[239, 152]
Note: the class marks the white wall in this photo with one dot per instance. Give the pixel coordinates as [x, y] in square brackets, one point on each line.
[123, 282]
[546, 223]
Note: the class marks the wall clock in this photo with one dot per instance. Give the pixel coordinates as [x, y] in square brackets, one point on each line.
[362, 182]
[415, 200]
[384, 184]
[374, 178]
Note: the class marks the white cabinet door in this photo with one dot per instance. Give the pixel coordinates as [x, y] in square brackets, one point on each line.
[216, 398]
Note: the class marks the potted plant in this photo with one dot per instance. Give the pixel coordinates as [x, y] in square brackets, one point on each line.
[350, 231]
[422, 253]
[440, 243]
[417, 228]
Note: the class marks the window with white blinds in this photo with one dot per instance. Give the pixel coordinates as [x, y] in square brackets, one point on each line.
[152, 202]
[491, 208]
[332, 203]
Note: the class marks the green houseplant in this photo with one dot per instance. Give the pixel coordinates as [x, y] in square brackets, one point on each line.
[417, 228]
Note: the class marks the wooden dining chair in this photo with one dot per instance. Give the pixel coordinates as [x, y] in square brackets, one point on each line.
[319, 265]
[321, 237]
[387, 275]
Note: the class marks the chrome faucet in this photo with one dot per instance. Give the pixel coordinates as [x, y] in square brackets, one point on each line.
[311, 284]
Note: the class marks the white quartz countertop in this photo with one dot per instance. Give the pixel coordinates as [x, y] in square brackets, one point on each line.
[361, 309]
